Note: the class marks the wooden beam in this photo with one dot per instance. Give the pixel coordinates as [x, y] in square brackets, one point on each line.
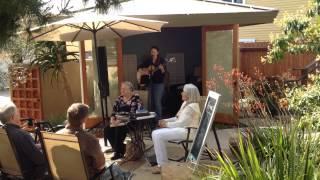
[83, 73]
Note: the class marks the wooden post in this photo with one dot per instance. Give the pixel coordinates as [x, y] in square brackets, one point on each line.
[83, 73]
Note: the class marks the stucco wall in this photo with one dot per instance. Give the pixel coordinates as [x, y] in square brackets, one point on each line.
[54, 98]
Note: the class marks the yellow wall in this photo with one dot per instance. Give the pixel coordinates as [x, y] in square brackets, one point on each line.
[262, 32]
[54, 100]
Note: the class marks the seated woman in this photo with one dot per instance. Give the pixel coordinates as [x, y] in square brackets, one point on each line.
[174, 128]
[116, 133]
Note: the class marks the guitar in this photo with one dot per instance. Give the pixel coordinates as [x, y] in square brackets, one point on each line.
[144, 73]
[143, 76]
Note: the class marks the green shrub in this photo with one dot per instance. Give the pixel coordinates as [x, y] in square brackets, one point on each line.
[304, 102]
[273, 153]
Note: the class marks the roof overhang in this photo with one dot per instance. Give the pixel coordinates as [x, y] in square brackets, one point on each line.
[186, 13]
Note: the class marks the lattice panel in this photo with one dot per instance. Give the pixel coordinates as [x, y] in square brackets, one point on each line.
[27, 97]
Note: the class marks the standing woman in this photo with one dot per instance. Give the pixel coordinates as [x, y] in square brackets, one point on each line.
[157, 69]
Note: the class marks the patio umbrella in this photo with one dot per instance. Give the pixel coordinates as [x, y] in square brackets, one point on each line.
[90, 25]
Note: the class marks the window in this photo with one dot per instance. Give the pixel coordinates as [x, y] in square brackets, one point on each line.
[235, 1]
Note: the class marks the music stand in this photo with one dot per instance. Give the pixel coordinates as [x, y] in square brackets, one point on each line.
[206, 124]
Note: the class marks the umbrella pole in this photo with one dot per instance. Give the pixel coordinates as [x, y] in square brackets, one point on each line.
[103, 99]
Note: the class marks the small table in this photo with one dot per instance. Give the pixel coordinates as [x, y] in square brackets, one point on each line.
[136, 129]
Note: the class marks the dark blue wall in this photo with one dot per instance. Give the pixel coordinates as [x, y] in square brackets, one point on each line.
[169, 40]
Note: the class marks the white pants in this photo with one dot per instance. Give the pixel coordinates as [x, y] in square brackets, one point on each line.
[161, 136]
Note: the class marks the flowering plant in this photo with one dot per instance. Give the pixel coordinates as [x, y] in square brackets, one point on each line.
[253, 97]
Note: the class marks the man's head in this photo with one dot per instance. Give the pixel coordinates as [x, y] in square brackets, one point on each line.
[77, 114]
[9, 113]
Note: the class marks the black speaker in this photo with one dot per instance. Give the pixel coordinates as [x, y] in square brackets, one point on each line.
[103, 71]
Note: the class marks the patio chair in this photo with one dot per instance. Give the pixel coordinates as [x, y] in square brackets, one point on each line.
[45, 126]
[64, 156]
[9, 164]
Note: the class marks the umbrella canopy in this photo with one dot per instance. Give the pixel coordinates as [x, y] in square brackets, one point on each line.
[82, 25]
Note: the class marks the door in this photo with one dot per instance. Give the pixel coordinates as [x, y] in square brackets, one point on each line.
[219, 60]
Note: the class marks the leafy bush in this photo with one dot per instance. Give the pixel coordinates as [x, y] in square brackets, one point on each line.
[4, 80]
[304, 101]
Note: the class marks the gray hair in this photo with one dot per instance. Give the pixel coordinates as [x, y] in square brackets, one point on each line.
[129, 84]
[192, 93]
[76, 113]
[7, 111]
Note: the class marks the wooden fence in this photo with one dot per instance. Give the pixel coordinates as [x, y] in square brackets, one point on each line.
[250, 60]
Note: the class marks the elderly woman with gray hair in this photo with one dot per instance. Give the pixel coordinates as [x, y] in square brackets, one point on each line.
[174, 128]
[128, 102]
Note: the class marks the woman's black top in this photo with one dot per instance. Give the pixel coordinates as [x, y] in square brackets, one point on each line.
[157, 76]
[130, 106]
[145, 79]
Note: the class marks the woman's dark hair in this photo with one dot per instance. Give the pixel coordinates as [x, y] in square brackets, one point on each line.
[155, 47]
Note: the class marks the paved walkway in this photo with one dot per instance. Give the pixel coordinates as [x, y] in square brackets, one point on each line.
[142, 170]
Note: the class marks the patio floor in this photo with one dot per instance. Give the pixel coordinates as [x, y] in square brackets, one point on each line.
[142, 170]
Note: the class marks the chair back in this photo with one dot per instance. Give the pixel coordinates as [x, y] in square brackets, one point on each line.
[8, 161]
[144, 96]
[64, 156]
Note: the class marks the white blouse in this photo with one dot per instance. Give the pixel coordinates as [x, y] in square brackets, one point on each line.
[187, 116]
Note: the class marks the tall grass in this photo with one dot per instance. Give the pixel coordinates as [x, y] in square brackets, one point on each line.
[273, 153]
